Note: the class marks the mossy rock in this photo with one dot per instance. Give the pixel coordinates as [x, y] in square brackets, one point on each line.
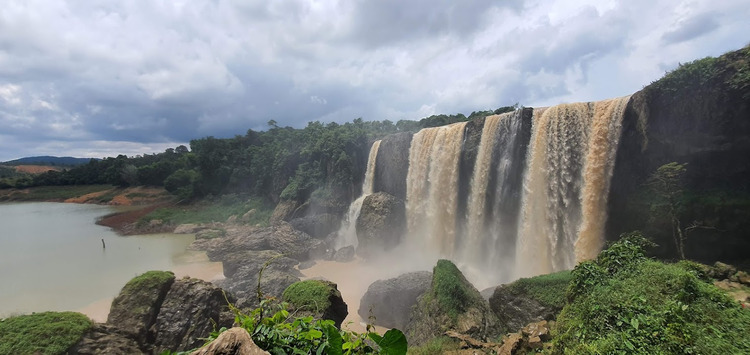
[452, 303]
[319, 298]
[42, 333]
[135, 309]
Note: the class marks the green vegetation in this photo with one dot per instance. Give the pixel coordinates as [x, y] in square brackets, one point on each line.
[439, 345]
[623, 302]
[279, 163]
[213, 210]
[280, 334]
[42, 333]
[549, 290]
[149, 280]
[46, 193]
[308, 294]
[449, 288]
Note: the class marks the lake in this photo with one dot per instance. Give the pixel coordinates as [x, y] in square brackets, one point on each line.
[51, 258]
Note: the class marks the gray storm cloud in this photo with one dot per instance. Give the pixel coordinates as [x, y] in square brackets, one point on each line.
[87, 79]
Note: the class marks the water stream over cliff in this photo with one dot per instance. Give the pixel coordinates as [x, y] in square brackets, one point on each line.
[347, 234]
[537, 189]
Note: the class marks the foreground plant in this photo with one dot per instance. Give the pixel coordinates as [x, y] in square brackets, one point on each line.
[281, 333]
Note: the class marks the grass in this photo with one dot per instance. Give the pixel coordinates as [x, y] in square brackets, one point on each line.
[623, 303]
[47, 193]
[309, 294]
[549, 290]
[218, 210]
[42, 333]
[449, 288]
[439, 345]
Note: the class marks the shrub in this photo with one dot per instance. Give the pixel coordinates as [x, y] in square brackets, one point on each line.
[623, 302]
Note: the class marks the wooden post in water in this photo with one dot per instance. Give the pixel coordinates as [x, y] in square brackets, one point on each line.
[104, 246]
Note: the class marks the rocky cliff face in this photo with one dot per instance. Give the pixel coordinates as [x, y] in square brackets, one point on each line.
[392, 164]
[699, 115]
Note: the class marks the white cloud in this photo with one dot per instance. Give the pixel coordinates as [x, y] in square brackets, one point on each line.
[151, 73]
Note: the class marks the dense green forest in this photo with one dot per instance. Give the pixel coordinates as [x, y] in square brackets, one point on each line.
[279, 163]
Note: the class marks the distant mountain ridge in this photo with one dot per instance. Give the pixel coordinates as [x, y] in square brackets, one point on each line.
[48, 160]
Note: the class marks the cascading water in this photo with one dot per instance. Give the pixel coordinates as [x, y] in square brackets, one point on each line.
[431, 187]
[569, 167]
[347, 234]
[537, 196]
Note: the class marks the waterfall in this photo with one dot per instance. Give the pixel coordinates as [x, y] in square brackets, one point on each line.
[347, 234]
[527, 197]
[568, 169]
[432, 187]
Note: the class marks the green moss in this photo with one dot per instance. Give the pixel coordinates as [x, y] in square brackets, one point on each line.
[309, 294]
[549, 290]
[450, 288]
[42, 333]
[148, 280]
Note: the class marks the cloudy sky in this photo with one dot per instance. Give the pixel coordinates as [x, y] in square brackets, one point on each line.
[100, 78]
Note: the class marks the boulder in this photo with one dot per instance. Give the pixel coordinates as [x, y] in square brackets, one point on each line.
[318, 298]
[235, 341]
[135, 309]
[191, 310]
[381, 224]
[106, 339]
[530, 300]
[281, 237]
[345, 254]
[451, 303]
[317, 226]
[391, 301]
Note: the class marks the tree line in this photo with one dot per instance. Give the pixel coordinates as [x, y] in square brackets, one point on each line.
[278, 163]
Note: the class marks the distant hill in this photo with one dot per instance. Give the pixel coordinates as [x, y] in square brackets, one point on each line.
[48, 160]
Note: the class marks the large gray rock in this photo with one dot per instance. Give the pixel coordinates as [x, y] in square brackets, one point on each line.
[391, 300]
[136, 307]
[451, 303]
[515, 311]
[106, 339]
[521, 302]
[190, 311]
[281, 237]
[381, 224]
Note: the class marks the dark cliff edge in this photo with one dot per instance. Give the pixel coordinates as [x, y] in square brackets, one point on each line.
[698, 114]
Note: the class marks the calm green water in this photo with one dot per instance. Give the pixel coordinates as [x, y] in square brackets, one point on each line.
[51, 256]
